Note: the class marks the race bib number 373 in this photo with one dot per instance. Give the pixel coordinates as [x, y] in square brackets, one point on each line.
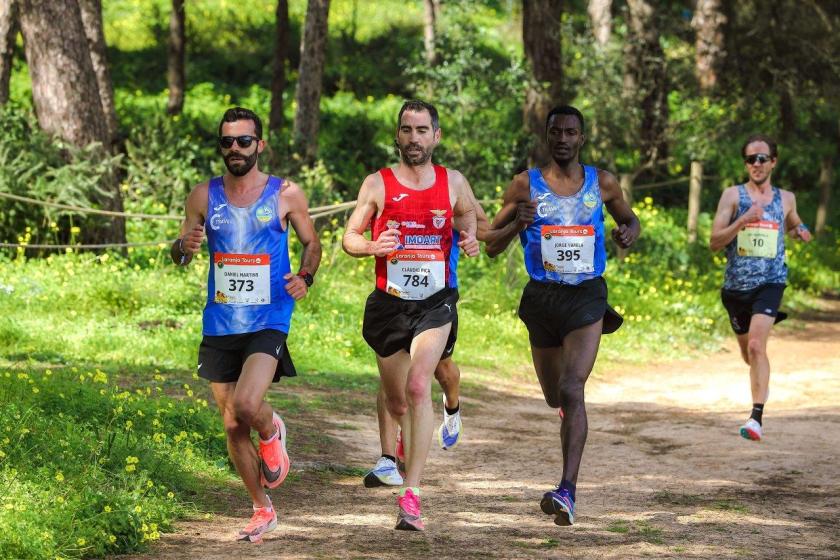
[568, 249]
[759, 239]
[415, 274]
[242, 279]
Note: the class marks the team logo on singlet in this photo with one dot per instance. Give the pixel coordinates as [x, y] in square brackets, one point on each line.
[392, 224]
[217, 221]
[265, 213]
[589, 200]
[440, 218]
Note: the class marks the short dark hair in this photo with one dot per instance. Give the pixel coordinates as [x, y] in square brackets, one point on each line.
[774, 149]
[241, 114]
[417, 106]
[564, 110]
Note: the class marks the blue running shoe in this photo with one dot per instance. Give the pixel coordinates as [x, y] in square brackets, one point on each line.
[558, 502]
[385, 473]
[449, 434]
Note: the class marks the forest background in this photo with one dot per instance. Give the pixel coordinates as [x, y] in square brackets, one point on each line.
[115, 106]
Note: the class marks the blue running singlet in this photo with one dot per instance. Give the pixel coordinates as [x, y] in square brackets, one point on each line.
[249, 255]
[757, 255]
[565, 244]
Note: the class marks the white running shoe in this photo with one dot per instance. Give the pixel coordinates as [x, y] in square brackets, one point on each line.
[449, 434]
[751, 430]
[385, 473]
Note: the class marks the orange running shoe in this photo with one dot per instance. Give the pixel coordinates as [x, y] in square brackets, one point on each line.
[274, 464]
[263, 521]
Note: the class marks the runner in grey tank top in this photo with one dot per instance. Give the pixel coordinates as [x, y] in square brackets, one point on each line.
[750, 223]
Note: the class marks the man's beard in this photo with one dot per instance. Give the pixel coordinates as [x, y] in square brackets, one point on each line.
[239, 169]
[414, 158]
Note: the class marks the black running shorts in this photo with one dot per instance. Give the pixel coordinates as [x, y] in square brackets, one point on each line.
[551, 310]
[743, 304]
[220, 358]
[391, 323]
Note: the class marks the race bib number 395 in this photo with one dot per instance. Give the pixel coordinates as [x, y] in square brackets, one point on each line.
[759, 239]
[568, 249]
[415, 274]
[242, 279]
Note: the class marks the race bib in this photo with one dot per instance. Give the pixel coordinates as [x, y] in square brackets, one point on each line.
[759, 239]
[568, 249]
[242, 279]
[415, 274]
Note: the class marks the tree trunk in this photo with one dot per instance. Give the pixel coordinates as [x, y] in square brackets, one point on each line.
[176, 55]
[281, 53]
[65, 91]
[8, 32]
[825, 180]
[429, 21]
[541, 37]
[313, 50]
[708, 22]
[601, 19]
[645, 80]
[92, 21]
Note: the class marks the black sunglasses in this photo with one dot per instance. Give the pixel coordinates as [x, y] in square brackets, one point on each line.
[243, 141]
[760, 158]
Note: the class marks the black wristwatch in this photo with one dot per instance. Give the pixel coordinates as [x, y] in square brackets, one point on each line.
[306, 278]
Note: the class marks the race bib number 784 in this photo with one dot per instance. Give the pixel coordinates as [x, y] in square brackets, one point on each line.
[415, 274]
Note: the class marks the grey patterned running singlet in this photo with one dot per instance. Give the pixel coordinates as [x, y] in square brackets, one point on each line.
[757, 255]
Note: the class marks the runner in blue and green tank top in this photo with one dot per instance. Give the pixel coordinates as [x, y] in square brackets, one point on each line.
[251, 293]
[557, 212]
[750, 223]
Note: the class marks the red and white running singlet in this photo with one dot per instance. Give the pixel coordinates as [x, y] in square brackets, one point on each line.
[424, 262]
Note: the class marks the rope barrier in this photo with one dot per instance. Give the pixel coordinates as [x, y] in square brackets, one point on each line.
[315, 210]
[661, 183]
[88, 246]
[83, 210]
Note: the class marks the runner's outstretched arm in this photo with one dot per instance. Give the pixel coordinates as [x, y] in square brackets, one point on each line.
[192, 228]
[517, 212]
[371, 199]
[627, 228]
[298, 216]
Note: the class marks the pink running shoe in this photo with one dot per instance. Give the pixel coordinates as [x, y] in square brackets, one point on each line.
[274, 464]
[408, 519]
[263, 521]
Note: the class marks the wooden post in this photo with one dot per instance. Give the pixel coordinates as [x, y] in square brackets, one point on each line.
[824, 181]
[695, 185]
[626, 182]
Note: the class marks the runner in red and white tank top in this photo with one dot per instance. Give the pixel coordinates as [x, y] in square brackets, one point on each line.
[410, 318]
[420, 267]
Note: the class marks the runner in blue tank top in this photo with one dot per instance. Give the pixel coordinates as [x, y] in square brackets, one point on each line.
[750, 223]
[251, 293]
[557, 211]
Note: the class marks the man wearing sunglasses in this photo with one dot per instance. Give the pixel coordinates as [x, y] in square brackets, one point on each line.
[251, 295]
[750, 223]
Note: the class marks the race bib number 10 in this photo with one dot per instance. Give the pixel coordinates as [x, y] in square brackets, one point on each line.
[759, 239]
[568, 249]
[415, 274]
[242, 279]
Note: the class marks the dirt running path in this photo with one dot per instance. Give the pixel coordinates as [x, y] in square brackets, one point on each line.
[664, 475]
